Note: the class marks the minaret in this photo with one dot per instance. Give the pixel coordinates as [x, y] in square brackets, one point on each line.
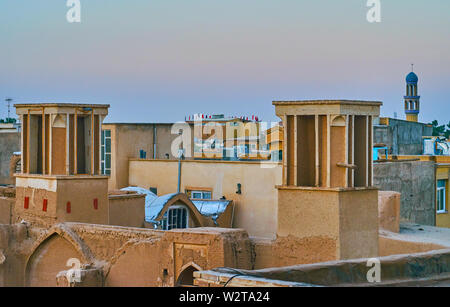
[412, 100]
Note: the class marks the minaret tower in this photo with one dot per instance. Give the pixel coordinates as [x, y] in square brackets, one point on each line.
[412, 100]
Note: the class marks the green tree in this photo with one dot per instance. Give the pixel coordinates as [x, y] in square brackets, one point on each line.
[440, 130]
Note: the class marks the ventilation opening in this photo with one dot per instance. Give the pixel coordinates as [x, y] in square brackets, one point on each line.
[186, 278]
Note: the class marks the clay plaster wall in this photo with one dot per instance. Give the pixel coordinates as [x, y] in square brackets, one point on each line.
[87, 196]
[389, 246]
[6, 210]
[124, 256]
[427, 269]
[389, 210]
[7, 200]
[127, 210]
[9, 143]
[121, 256]
[342, 224]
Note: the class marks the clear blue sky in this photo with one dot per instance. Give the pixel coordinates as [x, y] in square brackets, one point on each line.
[159, 60]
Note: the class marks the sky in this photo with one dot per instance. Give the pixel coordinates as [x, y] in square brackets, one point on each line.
[162, 60]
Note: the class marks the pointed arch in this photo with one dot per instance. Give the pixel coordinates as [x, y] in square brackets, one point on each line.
[186, 276]
[54, 248]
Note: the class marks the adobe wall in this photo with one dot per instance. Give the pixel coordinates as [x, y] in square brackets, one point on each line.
[313, 217]
[358, 224]
[415, 180]
[421, 269]
[126, 209]
[87, 196]
[255, 209]
[6, 209]
[335, 223]
[7, 200]
[9, 143]
[116, 256]
[389, 210]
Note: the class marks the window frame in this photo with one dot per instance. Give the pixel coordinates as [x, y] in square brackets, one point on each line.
[165, 221]
[203, 193]
[442, 189]
[104, 170]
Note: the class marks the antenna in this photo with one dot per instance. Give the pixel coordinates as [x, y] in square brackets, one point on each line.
[8, 101]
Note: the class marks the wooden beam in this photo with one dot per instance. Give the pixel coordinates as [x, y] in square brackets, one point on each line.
[92, 143]
[75, 143]
[28, 142]
[329, 150]
[317, 172]
[296, 162]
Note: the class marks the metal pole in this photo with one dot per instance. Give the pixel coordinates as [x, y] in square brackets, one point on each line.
[180, 156]
[179, 175]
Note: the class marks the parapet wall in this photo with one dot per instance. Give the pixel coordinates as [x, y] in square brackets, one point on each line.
[431, 268]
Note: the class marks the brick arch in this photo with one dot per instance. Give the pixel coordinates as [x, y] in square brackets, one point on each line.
[50, 255]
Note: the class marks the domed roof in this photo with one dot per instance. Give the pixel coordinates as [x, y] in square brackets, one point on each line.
[412, 78]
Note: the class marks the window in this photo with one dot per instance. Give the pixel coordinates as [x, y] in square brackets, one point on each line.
[176, 217]
[198, 194]
[440, 196]
[106, 152]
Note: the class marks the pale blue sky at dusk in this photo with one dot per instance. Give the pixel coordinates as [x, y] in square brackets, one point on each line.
[160, 60]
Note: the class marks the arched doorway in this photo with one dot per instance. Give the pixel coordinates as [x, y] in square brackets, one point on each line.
[186, 277]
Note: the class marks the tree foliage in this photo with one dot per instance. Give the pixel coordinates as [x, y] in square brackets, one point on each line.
[440, 130]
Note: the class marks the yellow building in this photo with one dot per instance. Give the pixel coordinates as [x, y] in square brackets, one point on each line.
[218, 137]
[442, 186]
[274, 141]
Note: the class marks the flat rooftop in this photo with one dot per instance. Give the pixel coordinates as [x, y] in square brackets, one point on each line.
[62, 104]
[421, 234]
[329, 102]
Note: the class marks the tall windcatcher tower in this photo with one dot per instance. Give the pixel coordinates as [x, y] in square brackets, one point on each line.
[60, 178]
[412, 100]
[327, 196]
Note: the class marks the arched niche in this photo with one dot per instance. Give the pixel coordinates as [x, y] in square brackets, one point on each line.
[48, 259]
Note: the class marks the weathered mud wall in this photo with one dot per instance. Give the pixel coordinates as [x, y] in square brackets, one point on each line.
[116, 256]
